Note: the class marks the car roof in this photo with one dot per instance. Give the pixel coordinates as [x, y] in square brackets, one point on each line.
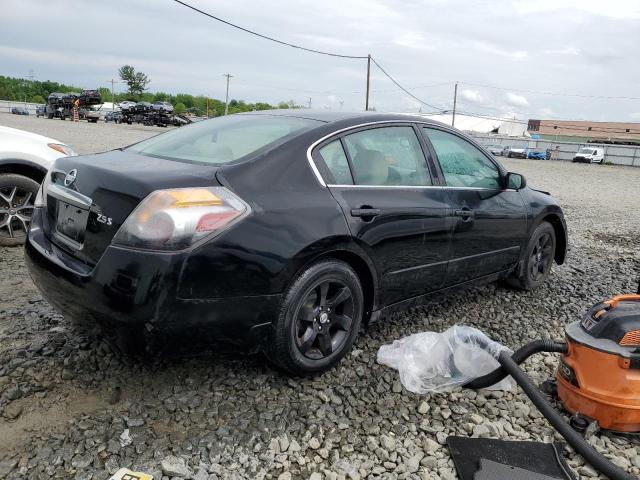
[330, 116]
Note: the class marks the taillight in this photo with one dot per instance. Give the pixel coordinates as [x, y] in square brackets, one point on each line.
[178, 218]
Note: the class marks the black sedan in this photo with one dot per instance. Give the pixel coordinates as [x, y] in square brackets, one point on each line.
[283, 231]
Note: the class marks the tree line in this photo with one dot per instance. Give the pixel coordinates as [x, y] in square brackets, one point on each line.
[36, 91]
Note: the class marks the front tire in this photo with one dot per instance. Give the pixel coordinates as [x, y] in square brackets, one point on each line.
[17, 194]
[319, 319]
[539, 256]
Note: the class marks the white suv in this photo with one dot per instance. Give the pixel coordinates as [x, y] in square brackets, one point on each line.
[25, 158]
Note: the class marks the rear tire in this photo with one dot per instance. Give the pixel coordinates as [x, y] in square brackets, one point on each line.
[17, 194]
[319, 319]
[538, 259]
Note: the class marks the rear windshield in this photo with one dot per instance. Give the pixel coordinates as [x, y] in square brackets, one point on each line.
[223, 140]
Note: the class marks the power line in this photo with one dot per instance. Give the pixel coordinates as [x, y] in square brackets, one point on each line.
[558, 94]
[344, 92]
[321, 52]
[402, 88]
[417, 87]
[265, 36]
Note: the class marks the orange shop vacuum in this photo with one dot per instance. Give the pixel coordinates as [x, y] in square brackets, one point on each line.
[597, 379]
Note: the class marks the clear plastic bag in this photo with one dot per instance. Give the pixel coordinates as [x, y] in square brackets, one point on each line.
[439, 362]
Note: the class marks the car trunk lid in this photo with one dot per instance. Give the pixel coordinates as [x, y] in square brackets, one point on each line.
[88, 198]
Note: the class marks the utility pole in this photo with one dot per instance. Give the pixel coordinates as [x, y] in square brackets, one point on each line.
[309, 102]
[366, 102]
[113, 96]
[226, 98]
[455, 101]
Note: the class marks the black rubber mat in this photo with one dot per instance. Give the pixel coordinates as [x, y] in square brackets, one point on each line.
[490, 470]
[537, 457]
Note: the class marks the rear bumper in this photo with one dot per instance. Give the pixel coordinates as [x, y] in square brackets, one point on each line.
[130, 289]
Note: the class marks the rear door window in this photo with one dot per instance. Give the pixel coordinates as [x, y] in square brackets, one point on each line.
[336, 164]
[387, 156]
[463, 165]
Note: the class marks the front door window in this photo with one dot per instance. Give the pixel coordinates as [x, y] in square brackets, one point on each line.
[463, 165]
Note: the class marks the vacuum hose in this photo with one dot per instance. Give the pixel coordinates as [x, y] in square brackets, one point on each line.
[519, 356]
[509, 366]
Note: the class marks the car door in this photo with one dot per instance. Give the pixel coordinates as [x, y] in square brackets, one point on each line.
[380, 178]
[489, 221]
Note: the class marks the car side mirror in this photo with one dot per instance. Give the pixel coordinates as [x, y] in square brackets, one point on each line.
[515, 181]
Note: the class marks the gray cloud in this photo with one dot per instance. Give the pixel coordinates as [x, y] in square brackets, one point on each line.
[573, 46]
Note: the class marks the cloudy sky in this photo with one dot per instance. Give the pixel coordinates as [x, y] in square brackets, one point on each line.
[503, 52]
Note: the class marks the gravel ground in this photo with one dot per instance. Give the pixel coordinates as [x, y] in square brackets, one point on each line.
[83, 137]
[71, 408]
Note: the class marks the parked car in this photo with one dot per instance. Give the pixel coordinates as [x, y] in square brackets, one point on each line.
[24, 159]
[127, 106]
[55, 99]
[589, 155]
[537, 154]
[198, 230]
[142, 107]
[19, 111]
[69, 98]
[515, 152]
[88, 114]
[90, 97]
[495, 149]
[41, 111]
[165, 107]
[114, 116]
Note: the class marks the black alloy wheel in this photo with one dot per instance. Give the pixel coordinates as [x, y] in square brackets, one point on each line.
[538, 258]
[323, 320]
[17, 194]
[319, 319]
[541, 256]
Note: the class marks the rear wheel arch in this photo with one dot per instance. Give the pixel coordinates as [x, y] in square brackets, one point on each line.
[363, 269]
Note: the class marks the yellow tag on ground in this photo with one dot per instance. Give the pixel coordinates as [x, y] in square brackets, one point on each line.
[126, 474]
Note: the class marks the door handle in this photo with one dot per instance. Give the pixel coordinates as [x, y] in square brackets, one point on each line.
[365, 213]
[466, 213]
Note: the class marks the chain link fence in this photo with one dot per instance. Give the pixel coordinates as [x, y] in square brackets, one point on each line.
[616, 154]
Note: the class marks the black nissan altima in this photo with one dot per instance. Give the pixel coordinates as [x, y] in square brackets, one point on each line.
[283, 231]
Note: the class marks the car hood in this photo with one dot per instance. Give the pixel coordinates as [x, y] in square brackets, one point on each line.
[536, 189]
[15, 133]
